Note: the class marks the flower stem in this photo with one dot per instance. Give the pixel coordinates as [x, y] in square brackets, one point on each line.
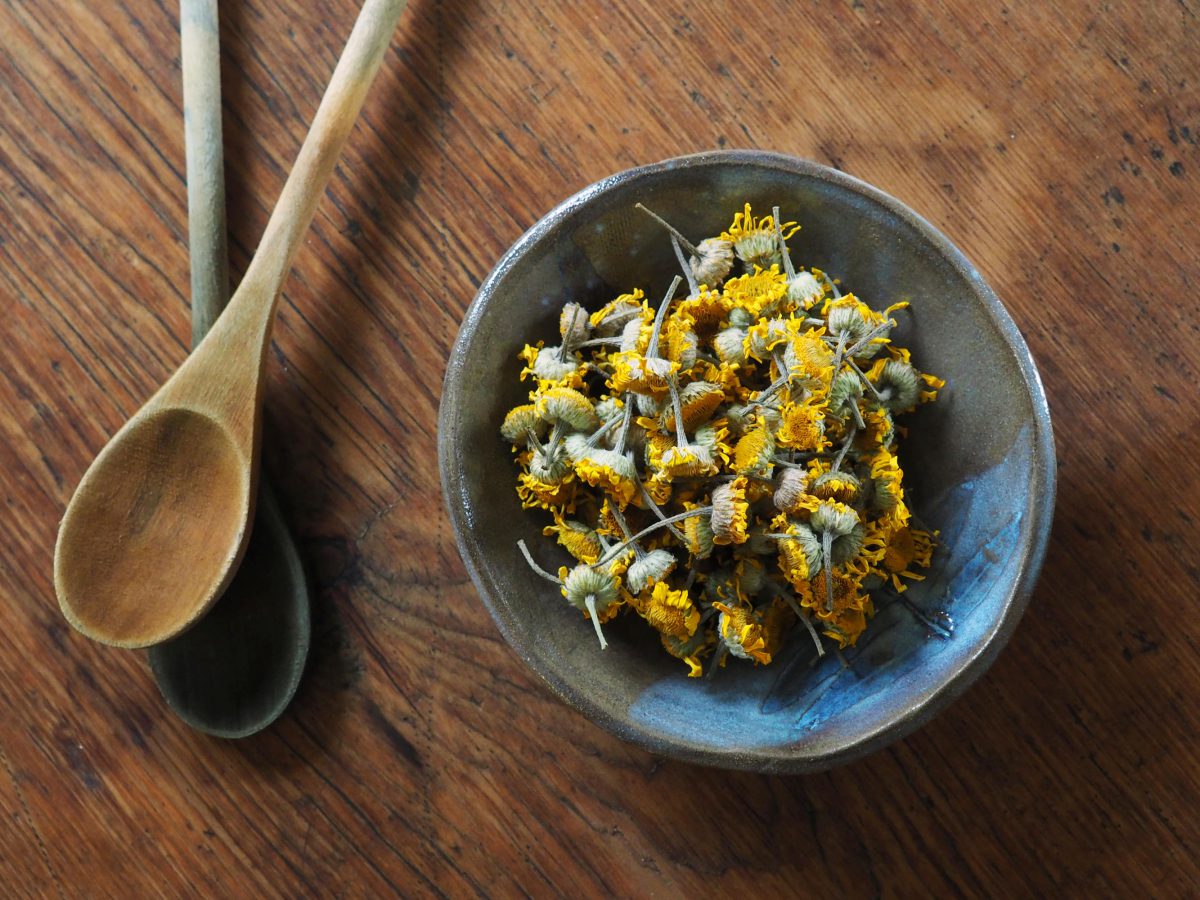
[827, 565]
[590, 602]
[693, 287]
[865, 380]
[780, 461]
[536, 568]
[650, 529]
[871, 335]
[621, 523]
[858, 419]
[687, 245]
[783, 249]
[657, 510]
[652, 350]
[680, 434]
[772, 389]
[716, 662]
[621, 435]
[602, 430]
[837, 460]
[597, 342]
[803, 617]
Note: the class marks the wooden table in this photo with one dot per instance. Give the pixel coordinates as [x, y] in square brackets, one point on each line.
[1058, 146]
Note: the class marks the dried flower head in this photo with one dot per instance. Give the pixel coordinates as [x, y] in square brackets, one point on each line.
[729, 345]
[754, 453]
[699, 401]
[791, 486]
[580, 540]
[653, 431]
[841, 486]
[611, 471]
[730, 512]
[804, 290]
[573, 324]
[567, 406]
[610, 319]
[520, 422]
[897, 385]
[594, 591]
[687, 461]
[741, 633]
[650, 568]
[799, 555]
[754, 239]
[670, 611]
[834, 517]
[846, 321]
[712, 261]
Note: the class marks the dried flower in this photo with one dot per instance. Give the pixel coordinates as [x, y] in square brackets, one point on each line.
[730, 509]
[670, 612]
[653, 567]
[573, 325]
[754, 240]
[520, 422]
[567, 406]
[594, 591]
[741, 634]
[611, 471]
[652, 434]
[792, 485]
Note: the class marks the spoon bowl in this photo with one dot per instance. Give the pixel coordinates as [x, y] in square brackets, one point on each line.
[195, 485]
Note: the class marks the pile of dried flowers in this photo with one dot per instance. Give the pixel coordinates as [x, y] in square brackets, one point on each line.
[725, 465]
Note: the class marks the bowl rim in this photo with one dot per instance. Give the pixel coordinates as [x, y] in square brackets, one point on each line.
[932, 700]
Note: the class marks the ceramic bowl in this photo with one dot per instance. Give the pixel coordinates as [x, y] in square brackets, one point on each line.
[979, 468]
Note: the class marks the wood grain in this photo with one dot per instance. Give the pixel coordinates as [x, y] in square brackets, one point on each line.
[1058, 146]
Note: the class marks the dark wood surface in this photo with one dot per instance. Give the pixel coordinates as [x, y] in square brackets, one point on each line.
[1058, 145]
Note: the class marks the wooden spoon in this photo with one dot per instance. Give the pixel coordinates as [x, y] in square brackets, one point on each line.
[236, 670]
[182, 472]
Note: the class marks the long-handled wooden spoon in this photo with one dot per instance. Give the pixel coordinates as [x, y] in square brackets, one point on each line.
[236, 670]
[159, 522]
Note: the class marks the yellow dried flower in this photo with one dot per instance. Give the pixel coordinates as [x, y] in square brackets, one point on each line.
[907, 547]
[535, 493]
[550, 367]
[568, 406]
[754, 239]
[803, 426]
[753, 453]
[704, 310]
[579, 540]
[773, 361]
[669, 611]
[686, 461]
[757, 293]
[634, 372]
[612, 317]
[741, 634]
[611, 471]
[520, 421]
[699, 400]
[650, 569]
[729, 515]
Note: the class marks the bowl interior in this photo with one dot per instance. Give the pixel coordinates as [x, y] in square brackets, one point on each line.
[978, 464]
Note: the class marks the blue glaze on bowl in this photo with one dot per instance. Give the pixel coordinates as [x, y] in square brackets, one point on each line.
[979, 466]
[801, 697]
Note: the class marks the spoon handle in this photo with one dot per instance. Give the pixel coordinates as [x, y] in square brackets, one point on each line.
[200, 45]
[319, 154]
